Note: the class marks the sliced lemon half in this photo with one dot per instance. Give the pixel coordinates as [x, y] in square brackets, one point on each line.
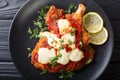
[100, 37]
[93, 22]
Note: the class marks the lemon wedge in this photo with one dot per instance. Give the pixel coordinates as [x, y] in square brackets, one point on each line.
[100, 37]
[93, 22]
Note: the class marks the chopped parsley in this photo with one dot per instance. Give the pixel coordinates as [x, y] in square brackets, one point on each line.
[60, 47]
[52, 42]
[71, 7]
[73, 29]
[89, 61]
[35, 33]
[61, 41]
[69, 41]
[44, 71]
[40, 24]
[53, 60]
[72, 34]
[55, 17]
[29, 49]
[68, 74]
[43, 11]
[29, 30]
[29, 52]
[81, 44]
[29, 55]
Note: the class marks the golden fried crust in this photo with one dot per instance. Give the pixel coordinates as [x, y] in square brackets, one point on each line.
[85, 37]
[53, 14]
[91, 52]
[78, 14]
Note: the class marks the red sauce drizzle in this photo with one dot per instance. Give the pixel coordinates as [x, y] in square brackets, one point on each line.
[68, 49]
[53, 27]
[75, 24]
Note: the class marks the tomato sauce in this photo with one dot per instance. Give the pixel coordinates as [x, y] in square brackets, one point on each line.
[78, 33]
[68, 49]
[53, 27]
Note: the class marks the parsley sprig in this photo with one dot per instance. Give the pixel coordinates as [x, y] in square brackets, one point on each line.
[29, 52]
[33, 33]
[40, 23]
[67, 74]
[69, 41]
[53, 60]
[73, 29]
[71, 7]
[44, 71]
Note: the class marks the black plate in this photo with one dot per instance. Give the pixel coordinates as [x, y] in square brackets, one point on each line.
[19, 41]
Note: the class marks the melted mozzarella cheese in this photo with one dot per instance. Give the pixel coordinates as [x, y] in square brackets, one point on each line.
[44, 55]
[63, 25]
[53, 40]
[76, 55]
[68, 37]
[64, 59]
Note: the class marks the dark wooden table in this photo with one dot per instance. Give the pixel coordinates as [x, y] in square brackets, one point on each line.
[8, 9]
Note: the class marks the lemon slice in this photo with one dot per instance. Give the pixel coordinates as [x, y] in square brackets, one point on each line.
[93, 22]
[100, 37]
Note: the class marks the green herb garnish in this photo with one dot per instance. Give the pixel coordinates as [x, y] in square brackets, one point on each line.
[38, 23]
[60, 47]
[52, 42]
[89, 61]
[53, 60]
[61, 41]
[55, 17]
[44, 71]
[29, 50]
[43, 11]
[70, 8]
[29, 55]
[73, 29]
[81, 44]
[68, 74]
[72, 34]
[35, 33]
[69, 41]
[29, 30]
[43, 29]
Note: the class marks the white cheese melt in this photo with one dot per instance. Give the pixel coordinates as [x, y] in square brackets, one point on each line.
[64, 59]
[53, 40]
[63, 25]
[76, 55]
[68, 38]
[44, 55]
